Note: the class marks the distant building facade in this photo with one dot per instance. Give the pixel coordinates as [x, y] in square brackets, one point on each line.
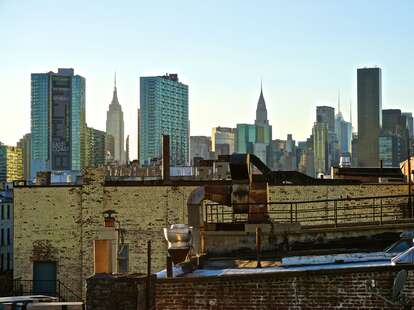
[115, 127]
[200, 146]
[369, 116]
[109, 148]
[25, 144]
[6, 230]
[408, 119]
[325, 114]
[95, 147]
[256, 139]
[343, 130]
[320, 148]
[57, 121]
[389, 150]
[223, 140]
[164, 110]
[11, 163]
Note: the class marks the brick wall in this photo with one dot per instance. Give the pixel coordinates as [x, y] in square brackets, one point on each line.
[123, 292]
[6, 283]
[334, 289]
[47, 228]
[61, 223]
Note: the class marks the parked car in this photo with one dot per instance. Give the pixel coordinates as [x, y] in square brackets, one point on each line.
[20, 302]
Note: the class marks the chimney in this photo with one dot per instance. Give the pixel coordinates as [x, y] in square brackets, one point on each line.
[165, 157]
[43, 178]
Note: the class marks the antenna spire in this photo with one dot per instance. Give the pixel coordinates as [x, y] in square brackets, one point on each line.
[350, 111]
[339, 101]
[115, 80]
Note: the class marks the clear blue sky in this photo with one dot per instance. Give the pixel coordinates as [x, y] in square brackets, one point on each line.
[303, 50]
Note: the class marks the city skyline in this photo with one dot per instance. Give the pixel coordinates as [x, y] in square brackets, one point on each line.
[213, 76]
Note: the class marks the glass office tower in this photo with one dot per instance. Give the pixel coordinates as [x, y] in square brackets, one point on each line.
[369, 116]
[163, 110]
[57, 121]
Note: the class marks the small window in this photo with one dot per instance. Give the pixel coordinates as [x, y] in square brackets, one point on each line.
[8, 267]
[2, 237]
[8, 236]
[123, 261]
[8, 212]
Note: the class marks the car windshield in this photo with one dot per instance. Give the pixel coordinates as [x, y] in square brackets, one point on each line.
[399, 246]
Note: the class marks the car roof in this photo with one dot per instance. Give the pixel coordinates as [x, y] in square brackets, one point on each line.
[27, 298]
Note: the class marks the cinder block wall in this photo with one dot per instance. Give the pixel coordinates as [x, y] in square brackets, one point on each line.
[323, 289]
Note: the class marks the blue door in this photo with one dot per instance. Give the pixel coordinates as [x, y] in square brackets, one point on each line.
[44, 278]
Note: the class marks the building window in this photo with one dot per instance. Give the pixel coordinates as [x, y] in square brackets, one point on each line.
[8, 267]
[123, 255]
[2, 212]
[8, 212]
[8, 236]
[2, 237]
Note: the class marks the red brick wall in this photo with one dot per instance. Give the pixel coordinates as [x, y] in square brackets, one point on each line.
[334, 289]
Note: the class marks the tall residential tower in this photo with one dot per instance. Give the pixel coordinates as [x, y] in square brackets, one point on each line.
[163, 110]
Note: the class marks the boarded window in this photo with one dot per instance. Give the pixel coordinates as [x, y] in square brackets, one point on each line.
[103, 256]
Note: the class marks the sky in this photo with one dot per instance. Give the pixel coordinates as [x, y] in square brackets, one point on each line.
[303, 51]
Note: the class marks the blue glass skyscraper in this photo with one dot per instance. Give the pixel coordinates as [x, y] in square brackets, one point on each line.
[57, 121]
[164, 110]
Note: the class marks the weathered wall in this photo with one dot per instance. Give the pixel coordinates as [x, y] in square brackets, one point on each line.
[323, 289]
[61, 223]
[123, 292]
[46, 228]
[319, 192]
[344, 214]
[6, 283]
[281, 242]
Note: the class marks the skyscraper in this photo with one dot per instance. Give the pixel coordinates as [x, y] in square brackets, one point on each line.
[326, 115]
[127, 150]
[256, 139]
[200, 146]
[261, 111]
[115, 126]
[222, 140]
[164, 110]
[95, 147]
[394, 132]
[25, 144]
[138, 133]
[408, 118]
[57, 121]
[369, 116]
[11, 163]
[343, 130]
[320, 148]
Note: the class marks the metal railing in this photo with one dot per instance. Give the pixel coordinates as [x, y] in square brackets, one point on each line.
[44, 287]
[326, 212]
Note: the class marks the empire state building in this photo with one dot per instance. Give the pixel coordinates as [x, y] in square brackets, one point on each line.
[115, 126]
